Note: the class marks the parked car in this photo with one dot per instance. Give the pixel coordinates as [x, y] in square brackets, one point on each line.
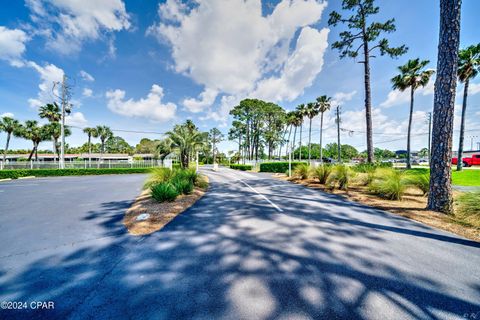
[474, 160]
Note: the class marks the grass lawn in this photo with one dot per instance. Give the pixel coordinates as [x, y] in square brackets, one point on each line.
[460, 178]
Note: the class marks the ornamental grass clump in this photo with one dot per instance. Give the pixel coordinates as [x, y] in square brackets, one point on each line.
[301, 171]
[158, 175]
[389, 184]
[340, 177]
[322, 172]
[164, 191]
[468, 209]
[420, 181]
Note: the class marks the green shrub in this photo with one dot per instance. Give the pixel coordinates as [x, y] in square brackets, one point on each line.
[468, 209]
[242, 167]
[182, 185]
[389, 184]
[158, 175]
[420, 181]
[278, 167]
[301, 171]
[15, 174]
[322, 172]
[164, 191]
[340, 177]
[369, 167]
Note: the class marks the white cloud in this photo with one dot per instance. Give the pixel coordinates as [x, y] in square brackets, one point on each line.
[86, 76]
[341, 97]
[7, 115]
[12, 45]
[299, 70]
[68, 23]
[48, 75]
[206, 98]
[87, 92]
[252, 54]
[396, 97]
[473, 88]
[76, 119]
[150, 107]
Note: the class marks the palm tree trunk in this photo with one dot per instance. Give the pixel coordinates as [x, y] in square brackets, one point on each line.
[6, 147]
[309, 141]
[440, 196]
[300, 154]
[281, 144]
[368, 98]
[36, 151]
[294, 140]
[31, 153]
[321, 129]
[89, 151]
[462, 127]
[409, 161]
[54, 149]
[287, 150]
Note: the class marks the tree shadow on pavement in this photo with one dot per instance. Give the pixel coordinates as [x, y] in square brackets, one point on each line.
[234, 256]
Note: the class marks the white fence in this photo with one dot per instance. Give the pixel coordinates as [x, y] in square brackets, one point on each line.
[84, 164]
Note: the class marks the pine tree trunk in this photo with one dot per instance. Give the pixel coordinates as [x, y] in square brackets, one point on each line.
[440, 195]
[9, 134]
[368, 101]
[462, 128]
[409, 161]
[309, 141]
[239, 147]
[321, 129]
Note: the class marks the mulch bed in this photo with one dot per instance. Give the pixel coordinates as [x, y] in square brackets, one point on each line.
[160, 213]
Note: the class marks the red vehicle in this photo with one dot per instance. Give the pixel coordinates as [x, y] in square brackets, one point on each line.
[467, 162]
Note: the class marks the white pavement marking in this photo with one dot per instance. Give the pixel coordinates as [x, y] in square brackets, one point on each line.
[261, 195]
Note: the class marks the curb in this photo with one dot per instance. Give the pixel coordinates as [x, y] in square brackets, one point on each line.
[27, 177]
[7, 179]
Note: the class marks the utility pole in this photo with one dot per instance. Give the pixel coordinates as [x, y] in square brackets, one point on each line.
[338, 134]
[429, 119]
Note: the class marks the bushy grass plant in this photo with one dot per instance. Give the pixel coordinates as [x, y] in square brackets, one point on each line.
[164, 191]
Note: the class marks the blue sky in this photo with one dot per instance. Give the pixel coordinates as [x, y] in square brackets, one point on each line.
[146, 65]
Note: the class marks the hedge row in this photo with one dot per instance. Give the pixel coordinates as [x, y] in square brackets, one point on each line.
[15, 174]
[242, 167]
[278, 167]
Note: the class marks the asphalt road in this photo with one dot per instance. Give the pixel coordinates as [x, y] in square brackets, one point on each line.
[254, 247]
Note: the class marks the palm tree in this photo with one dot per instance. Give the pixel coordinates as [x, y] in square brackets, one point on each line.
[440, 196]
[323, 103]
[35, 133]
[10, 126]
[90, 132]
[301, 109]
[291, 121]
[411, 76]
[297, 121]
[185, 140]
[55, 131]
[468, 68]
[104, 133]
[51, 112]
[311, 111]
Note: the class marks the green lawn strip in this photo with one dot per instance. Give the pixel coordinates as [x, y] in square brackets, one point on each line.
[15, 174]
[466, 177]
[242, 167]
